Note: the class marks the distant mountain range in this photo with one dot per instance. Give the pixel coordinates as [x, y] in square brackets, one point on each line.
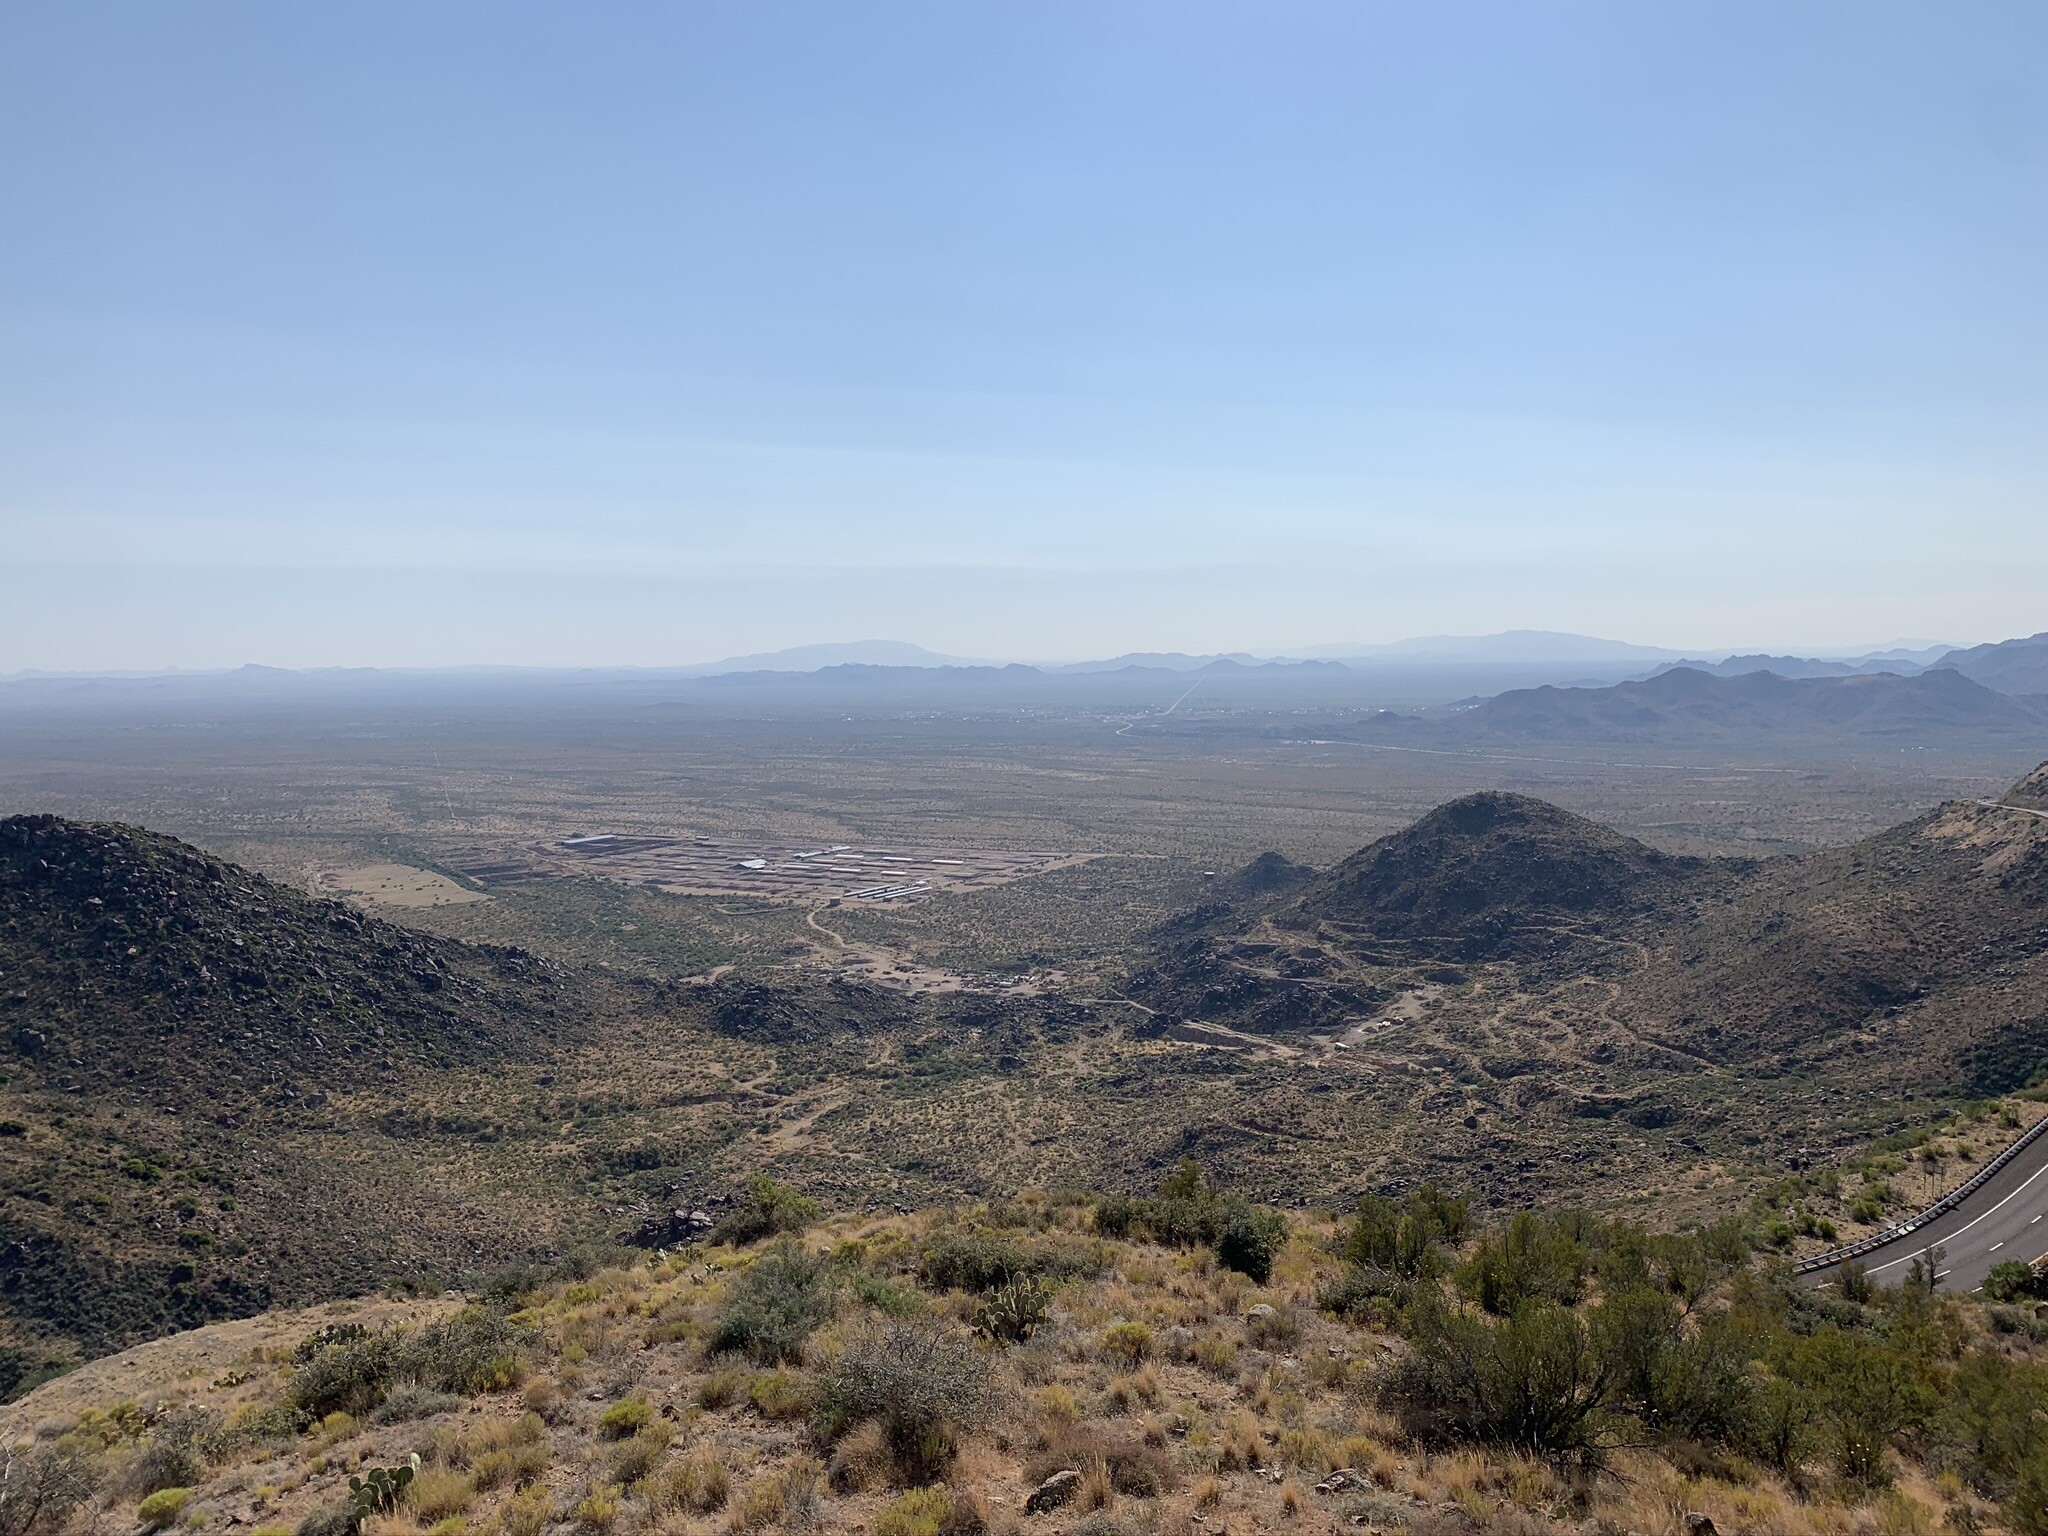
[1566, 655]
[2010, 666]
[1796, 666]
[813, 658]
[1688, 706]
[1415, 672]
[1513, 647]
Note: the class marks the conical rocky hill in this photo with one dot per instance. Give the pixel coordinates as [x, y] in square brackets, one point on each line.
[1485, 871]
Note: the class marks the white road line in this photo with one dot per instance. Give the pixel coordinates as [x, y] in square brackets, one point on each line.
[1994, 1248]
[2000, 805]
[1959, 1231]
[2037, 1218]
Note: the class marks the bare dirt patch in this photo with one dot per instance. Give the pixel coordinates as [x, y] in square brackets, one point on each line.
[393, 885]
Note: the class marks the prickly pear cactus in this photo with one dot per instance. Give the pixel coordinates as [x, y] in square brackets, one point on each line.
[378, 1493]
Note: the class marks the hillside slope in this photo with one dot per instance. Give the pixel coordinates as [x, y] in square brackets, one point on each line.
[1921, 953]
[202, 1068]
[135, 962]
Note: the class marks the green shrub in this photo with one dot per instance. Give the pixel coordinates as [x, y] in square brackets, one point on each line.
[476, 1350]
[769, 1209]
[1531, 1382]
[1188, 1212]
[885, 1295]
[345, 1375]
[628, 1416]
[1534, 1259]
[2011, 1280]
[1406, 1240]
[163, 1507]
[1365, 1294]
[2027, 1511]
[970, 1261]
[1859, 1391]
[775, 1305]
[1250, 1238]
[920, 1512]
[326, 1338]
[988, 1261]
[783, 1395]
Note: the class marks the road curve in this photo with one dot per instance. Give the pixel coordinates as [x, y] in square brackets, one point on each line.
[2005, 1219]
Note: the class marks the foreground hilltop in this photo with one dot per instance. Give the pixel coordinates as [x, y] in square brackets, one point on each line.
[1080, 1365]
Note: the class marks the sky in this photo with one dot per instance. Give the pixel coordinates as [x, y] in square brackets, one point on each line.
[391, 334]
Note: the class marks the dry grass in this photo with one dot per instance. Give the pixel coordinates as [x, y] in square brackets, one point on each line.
[1155, 1433]
[698, 1483]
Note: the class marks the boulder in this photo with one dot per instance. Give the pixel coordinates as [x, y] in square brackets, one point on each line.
[1053, 1492]
[671, 1229]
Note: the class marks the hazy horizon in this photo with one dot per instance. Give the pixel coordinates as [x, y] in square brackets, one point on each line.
[1438, 650]
[646, 335]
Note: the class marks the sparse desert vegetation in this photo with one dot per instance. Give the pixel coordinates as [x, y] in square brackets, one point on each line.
[1408, 1367]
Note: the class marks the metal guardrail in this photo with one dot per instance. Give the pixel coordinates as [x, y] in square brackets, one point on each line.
[1914, 1223]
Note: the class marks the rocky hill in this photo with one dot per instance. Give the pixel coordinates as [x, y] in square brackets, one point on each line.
[194, 1061]
[134, 963]
[1495, 874]
[2032, 791]
[1555, 968]
[1076, 1364]
[1921, 955]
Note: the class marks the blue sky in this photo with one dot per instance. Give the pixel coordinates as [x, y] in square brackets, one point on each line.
[397, 334]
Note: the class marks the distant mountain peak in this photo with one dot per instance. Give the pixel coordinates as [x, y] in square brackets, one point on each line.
[814, 658]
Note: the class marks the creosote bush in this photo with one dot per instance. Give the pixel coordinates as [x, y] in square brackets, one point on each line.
[352, 1370]
[776, 1305]
[1188, 1212]
[920, 1382]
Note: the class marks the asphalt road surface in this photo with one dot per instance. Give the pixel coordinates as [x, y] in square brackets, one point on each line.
[2006, 1219]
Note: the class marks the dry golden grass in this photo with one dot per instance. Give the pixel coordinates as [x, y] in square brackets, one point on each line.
[435, 1494]
[1156, 1434]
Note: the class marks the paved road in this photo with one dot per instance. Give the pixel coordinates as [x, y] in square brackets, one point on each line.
[2003, 1220]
